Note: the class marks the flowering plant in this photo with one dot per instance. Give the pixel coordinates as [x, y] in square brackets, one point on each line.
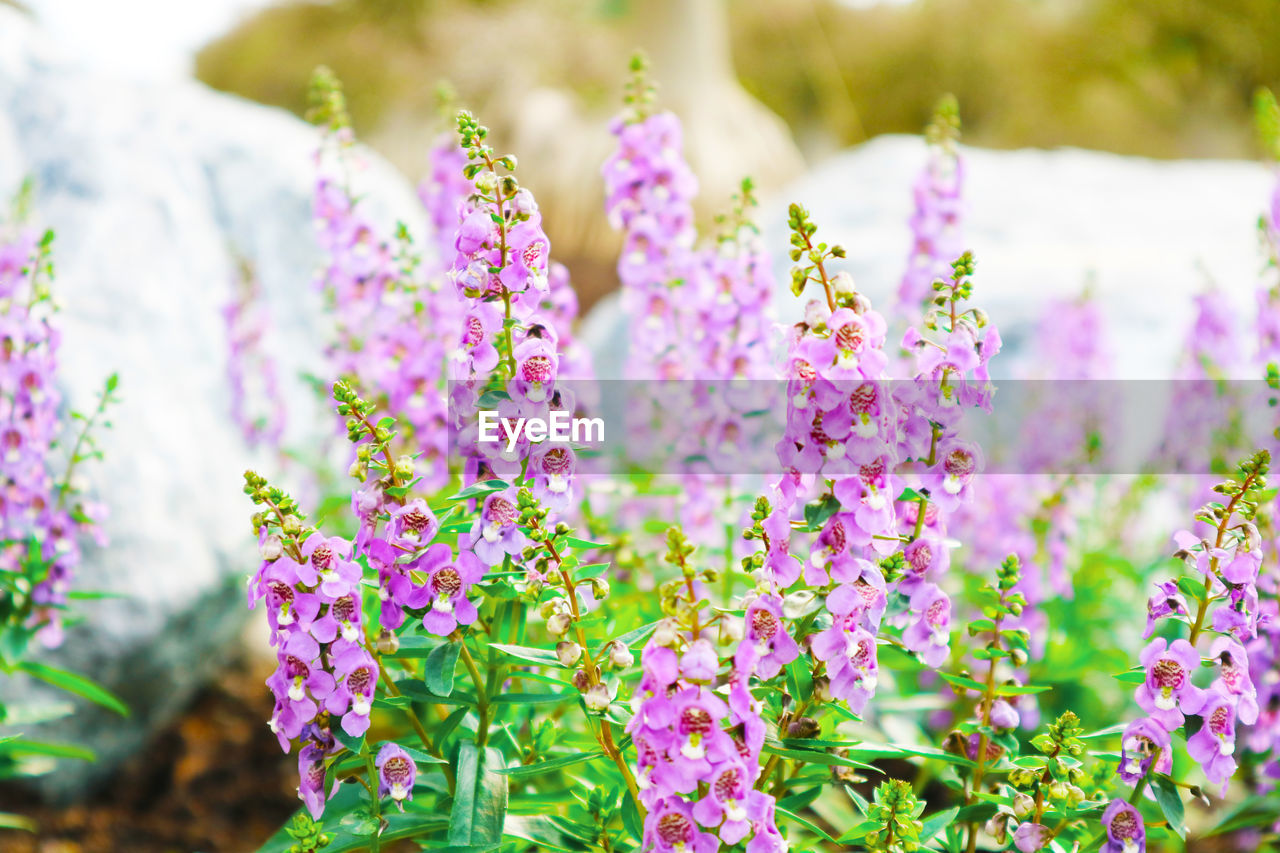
[45, 511]
[879, 647]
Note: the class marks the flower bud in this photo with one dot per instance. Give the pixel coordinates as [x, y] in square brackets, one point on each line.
[580, 680]
[486, 181]
[620, 656]
[272, 548]
[665, 633]
[568, 652]
[731, 630]
[842, 284]
[388, 643]
[597, 698]
[804, 727]
[1023, 805]
[1058, 791]
[558, 624]
[822, 689]
[599, 589]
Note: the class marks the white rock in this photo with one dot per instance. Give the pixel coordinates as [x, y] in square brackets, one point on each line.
[1151, 233]
[148, 189]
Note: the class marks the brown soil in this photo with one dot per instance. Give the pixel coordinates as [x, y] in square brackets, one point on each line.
[214, 782]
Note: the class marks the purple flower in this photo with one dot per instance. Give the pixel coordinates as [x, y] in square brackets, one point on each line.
[766, 645]
[1213, 747]
[396, 773]
[311, 779]
[670, 826]
[328, 562]
[529, 249]
[1030, 837]
[495, 532]
[929, 633]
[552, 469]
[412, 525]
[850, 655]
[1233, 679]
[536, 366]
[1167, 693]
[358, 672]
[728, 797]
[1166, 602]
[1142, 739]
[446, 587]
[1125, 830]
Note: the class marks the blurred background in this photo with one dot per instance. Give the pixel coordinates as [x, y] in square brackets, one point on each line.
[777, 89]
[765, 87]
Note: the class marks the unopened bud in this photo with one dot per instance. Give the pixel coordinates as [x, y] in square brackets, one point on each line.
[558, 624]
[388, 643]
[842, 284]
[1023, 805]
[804, 727]
[580, 680]
[597, 698]
[620, 656]
[568, 652]
[272, 548]
[665, 633]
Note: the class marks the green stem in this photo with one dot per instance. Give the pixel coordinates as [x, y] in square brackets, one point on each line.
[482, 697]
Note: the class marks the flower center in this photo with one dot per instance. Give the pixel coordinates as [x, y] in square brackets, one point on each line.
[322, 557]
[728, 785]
[959, 463]
[764, 624]
[850, 337]
[416, 520]
[474, 335]
[1168, 674]
[536, 368]
[864, 653]
[805, 371]
[921, 557]
[532, 254]
[556, 461]
[1220, 721]
[502, 511]
[936, 613]
[1124, 825]
[344, 609]
[872, 471]
[446, 582]
[694, 721]
[836, 537]
[674, 828]
[360, 682]
[295, 667]
[397, 771]
[863, 399]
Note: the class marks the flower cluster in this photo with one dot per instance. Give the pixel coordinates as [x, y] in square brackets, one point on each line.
[396, 321]
[324, 671]
[516, 306]
[648, 194]
[936, 224]
[698, 756]
[1226, 594]
[41, 514]
[251, 371]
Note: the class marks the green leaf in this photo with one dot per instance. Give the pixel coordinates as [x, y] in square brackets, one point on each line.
[962, 681]
[1170, 802]
[527, 770]
[938, 822]
[20, 746]
[543, 657]
[439, 667]
[1133, 676]
[477, 490]
[533, 698]
[813, 756]
[17, 821]
[480, 799]
[818, 513]
[631, 818]
[1019, 689]
[858, 832]
[585, 544]
[77, 684]
[636, 636]
[808, 824]
[25, 715]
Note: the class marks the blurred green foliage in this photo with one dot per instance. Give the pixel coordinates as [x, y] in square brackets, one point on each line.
[1156, 77]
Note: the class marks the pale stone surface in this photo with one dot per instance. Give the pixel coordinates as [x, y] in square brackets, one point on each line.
[1151, 234]
[148, 189]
